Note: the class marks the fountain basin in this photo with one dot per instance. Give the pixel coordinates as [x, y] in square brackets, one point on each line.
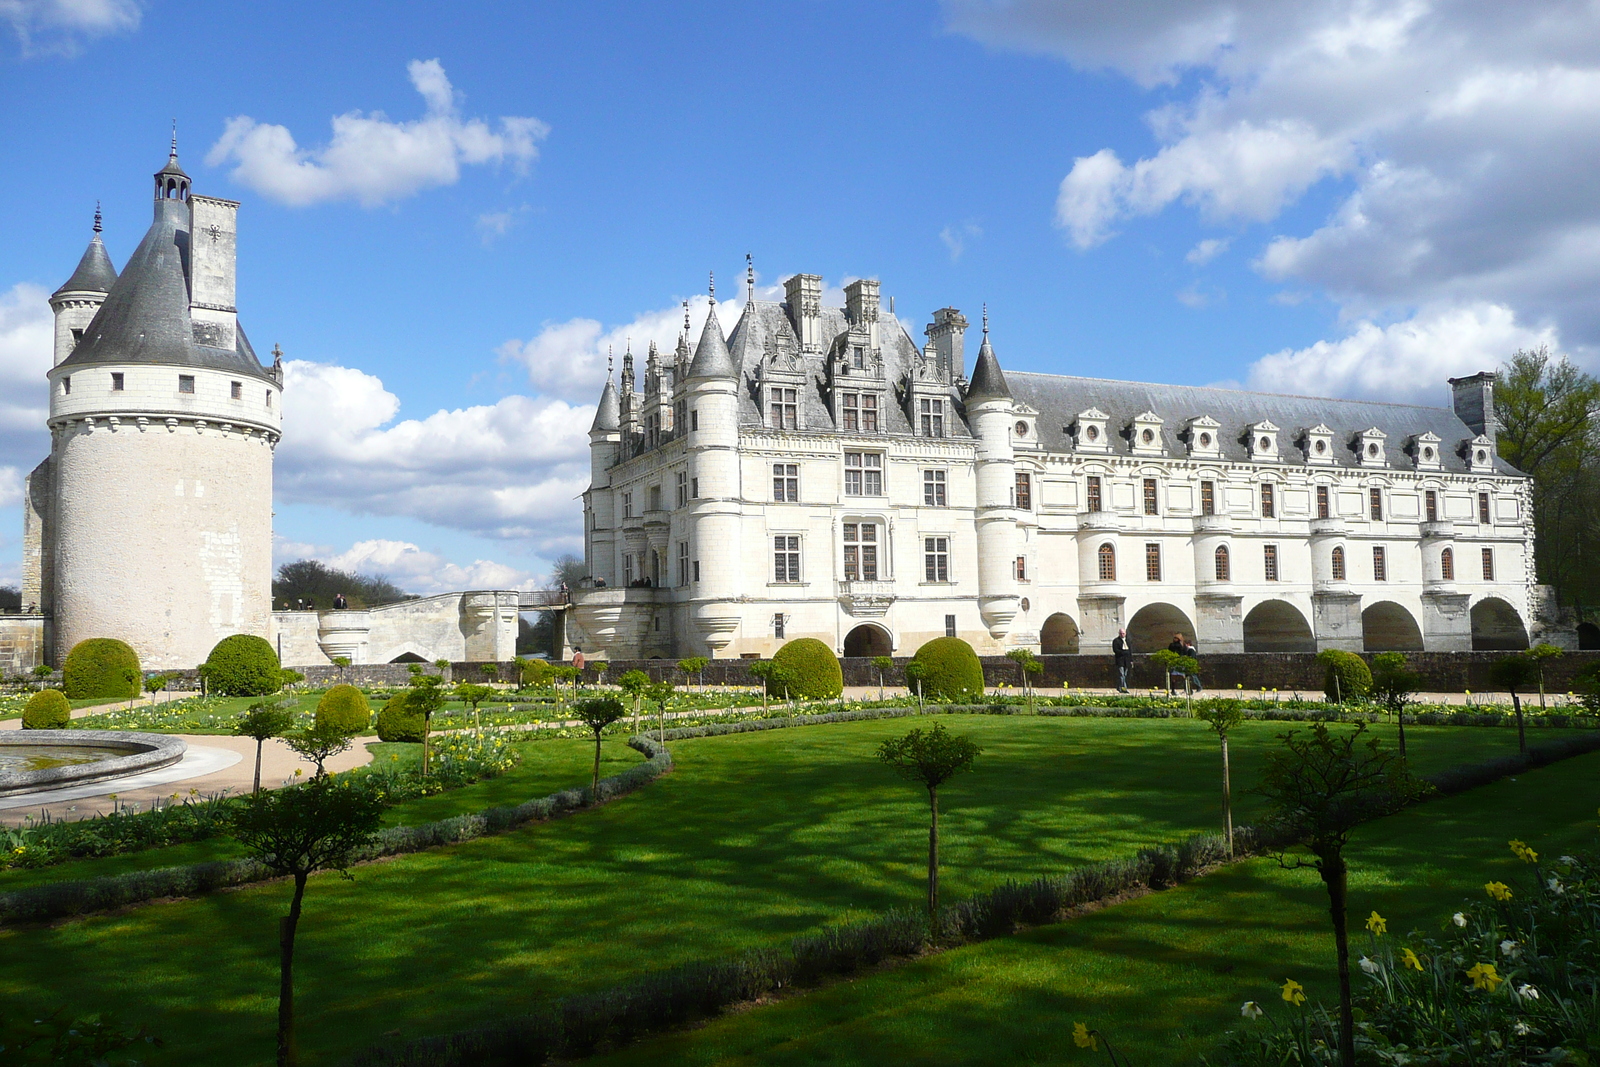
[32, 760]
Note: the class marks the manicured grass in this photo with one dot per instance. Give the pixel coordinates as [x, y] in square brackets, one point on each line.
[754, 838]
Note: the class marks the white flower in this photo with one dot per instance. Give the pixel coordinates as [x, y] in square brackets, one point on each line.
[1522, 1029]
[1527, 992]
[1370, 966]
[1459, 919]
[1510, 949]
[1568, 861]
[1251, 1010]
[1555, 886]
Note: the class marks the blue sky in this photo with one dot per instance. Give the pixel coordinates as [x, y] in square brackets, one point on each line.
[1336, 198]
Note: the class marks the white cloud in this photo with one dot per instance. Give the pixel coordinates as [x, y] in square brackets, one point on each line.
[955, 238]
[1206, 251]
[1197, 296]
[371, 159]
[26, 343]
[60, 27]
[418, 571]
[496, 224]
[10, 487]
[1407, 360]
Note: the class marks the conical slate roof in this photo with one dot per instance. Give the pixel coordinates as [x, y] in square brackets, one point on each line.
[608, 416]
[95, 274]
[987, 378]
[711, 356]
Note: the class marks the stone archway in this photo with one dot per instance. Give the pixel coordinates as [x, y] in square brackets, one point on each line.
[1153, 625]
[1059, 635]
[1588, 636]
[1277, 626]
[408, 657]
[1496, 626]
[867, 640]
[1388, 627]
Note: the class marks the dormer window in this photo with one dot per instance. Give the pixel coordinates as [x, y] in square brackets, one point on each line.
[1204, 438]
[1264, 442]
[1480, 455]
[1145, 434]
[1091, 433]
[858, 412]
[1425, 451]
[858, 357]
[1319, 446]
[930, 413]
[784, 405]
[1371, 448]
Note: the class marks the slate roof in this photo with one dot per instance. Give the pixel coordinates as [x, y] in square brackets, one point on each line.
[988, 380]
[95, 274]
[145, 317]
[1060, 398]
[711, 358]
[608, 415]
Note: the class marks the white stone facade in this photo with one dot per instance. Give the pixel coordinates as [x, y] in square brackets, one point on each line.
[740, 499]
[478, 627]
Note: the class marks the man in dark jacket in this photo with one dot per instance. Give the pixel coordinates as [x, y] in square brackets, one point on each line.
[1122, 654]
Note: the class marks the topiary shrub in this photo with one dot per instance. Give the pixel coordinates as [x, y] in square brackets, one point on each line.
[243, 665]
[345, 707]
[47, 710]
[535, 673]
[1354, 677]
[100, 667]
[952, 671]
[398, 722]
[815, 673]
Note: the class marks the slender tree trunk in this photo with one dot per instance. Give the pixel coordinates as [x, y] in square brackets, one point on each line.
[427, 731]
[594, 793]
[933, 863]
[1522, 736]
[1400, 723]
[286, 926]
[1227, 796]
[1541, 688]
[880, 687]
[1335, 875]
[259, 742]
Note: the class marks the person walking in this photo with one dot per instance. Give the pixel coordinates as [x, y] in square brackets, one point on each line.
[1122, 655]
[1182, 647]
[339, 602]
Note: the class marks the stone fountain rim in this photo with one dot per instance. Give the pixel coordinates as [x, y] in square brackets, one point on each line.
[146, 752]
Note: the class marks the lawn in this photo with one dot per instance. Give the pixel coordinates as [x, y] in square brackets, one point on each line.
[753, 838]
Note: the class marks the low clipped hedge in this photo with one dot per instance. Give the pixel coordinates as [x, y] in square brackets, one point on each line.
[346, 707]
[101, 667]
[954, 671]
[398, 722]
[1354, 677]
[47, 710]
[816, 671]
[243, 665]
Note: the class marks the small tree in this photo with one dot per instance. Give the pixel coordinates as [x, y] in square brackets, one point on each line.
[1319, 788]
[1027, 665]
[41, 672]
[1511, 674]
[634, 683]
[1542, 654]
[426, 697]
[930, 758]
[597, 713]
[1223, 715]
[695, 665]
[343, 662]
[1394, 686]
[135, 681]
[444, 669]
[474, 695]
[264, 719]
[321, 741]
[297, 832]
[882, 663]
[916, 670]
[600, 667]
[660, 693]
[491, 671]
[1170, 662]
[155, 683]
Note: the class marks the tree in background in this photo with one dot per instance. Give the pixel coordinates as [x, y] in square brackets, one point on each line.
[41, 672]
[916, 671]
[321, 741]
[1512, 673]
[474, 695]
[597, 713]
[10, 598]
[930, 758]
[297, 832]
[540, 636]
[264, 719]
[1027, 665]
[634, 683]
[660, 694]
[425, 698]
[316, 582]
[600, 667]
[1394, 685]
[1542, 654]
[155, 683]
[695, 665]
[881, 664]
[1223, 715]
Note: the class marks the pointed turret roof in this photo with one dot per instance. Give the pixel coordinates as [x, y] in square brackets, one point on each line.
[95, 274]
[711, 356]
[987, 378]
[608, 416]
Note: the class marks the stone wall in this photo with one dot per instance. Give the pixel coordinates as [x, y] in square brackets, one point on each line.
[24, 641]
[479, 625]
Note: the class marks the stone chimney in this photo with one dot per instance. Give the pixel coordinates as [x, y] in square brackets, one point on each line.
[1473, 400]
[804, 294]
[945, 335]
[213, 255]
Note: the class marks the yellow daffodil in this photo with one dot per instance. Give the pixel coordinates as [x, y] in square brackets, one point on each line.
[1409, 959]
[1377, 924]
[1497, 891]
[1293, 992]
[1484, 976]
[1082, 1037]
[1523, 852]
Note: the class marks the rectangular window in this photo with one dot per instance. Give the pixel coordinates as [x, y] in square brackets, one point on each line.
[1269, 562]
[860, 552]
[655, 498]
[627, 505]
[1108, 562]
[1268, 504]
[694, 488]
[1376, 498]
[1093, 493]
[777, 625]
[1025, 491]
[1150, 496]
[869, 413]
[236, 390]
[1323, 509]
[116, 381]
[680, 413]
[683, 490]
[627, 570]
[269, 398]
[858, 357]
[1208, 498]
[1022, 568]
[694, 420]
[786, 483]
[1430, 505]
[850, 412]
[785, 408]
[1152, 562]
[863, 474]
[1380, 565]
[697, 570]
[932, 415]
[185, 383]
[786, 558]
[1447, 565]
[683, 563]
[77, 335]
[1483, 508]
[1488, 564]
[949, 625]
[933, 489]
[936, 559]
[66, 384]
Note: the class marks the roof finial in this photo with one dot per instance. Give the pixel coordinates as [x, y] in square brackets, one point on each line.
[610, 362]
[686, 318]
[713, 287]
[97, 226]
[174, 138]
[986, 318]
[277, 355]
[750, 276]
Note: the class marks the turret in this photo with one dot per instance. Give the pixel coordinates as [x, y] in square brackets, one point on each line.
[712, 436]
[605, 446]
[990, 410]
[81, 295]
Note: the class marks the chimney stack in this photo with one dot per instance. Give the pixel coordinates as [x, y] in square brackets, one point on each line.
[1473, 400]
[804, 293]
[945, 335]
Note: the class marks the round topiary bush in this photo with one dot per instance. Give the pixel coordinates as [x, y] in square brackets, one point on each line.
[953, 673]
[1354, 678]
[814, 669]
[346, 707]
[397, 722]
[101, 667]
[243, 665]
[46, 710]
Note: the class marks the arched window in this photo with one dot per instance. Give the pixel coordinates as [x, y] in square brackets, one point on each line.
[1447, 565]
[1222, 563]
[1338, 563]
[1108, 562]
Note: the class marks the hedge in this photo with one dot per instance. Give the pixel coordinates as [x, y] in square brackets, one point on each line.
[1347, 676]
[953, 670]
[101, 667]
[243, 665]
[397, 722]
[47, 710]
[346, 707]
[816, 671]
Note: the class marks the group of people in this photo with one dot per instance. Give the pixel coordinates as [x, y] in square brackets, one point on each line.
[1122, 654]
[301, 603]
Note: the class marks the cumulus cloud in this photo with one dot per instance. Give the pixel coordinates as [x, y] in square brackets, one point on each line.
[419, 571]
[1464, 138]
[1408, 360]
[371, 159]
[10, 487]
[1206, 251]
[26, 342]
[62, 27]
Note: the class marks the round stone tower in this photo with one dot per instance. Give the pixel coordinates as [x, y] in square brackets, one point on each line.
[163, 424]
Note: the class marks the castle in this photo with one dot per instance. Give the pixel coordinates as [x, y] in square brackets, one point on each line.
[816, 473]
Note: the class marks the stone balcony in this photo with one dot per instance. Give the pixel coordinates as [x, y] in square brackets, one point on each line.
[1437, 531]
[866, 599]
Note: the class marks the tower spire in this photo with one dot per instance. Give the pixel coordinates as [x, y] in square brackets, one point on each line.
[97, 226]
[713, 287]
[986, 320]
[750, 278]
[174, 138]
